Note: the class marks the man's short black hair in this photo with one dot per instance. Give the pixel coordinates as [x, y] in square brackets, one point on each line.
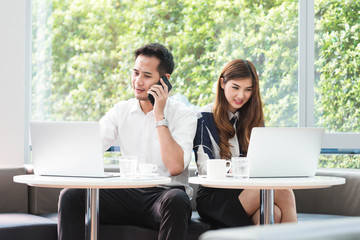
[157, 50]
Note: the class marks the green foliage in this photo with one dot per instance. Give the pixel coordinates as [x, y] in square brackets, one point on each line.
[83, 54]
[338, 61]
[89, 51]
[339, 161]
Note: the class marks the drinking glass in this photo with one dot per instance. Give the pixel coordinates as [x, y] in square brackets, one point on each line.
[240, 167]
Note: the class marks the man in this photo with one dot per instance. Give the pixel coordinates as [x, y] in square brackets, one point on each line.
[160, 134]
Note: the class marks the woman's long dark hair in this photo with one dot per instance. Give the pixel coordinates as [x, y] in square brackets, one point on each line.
[250, 115]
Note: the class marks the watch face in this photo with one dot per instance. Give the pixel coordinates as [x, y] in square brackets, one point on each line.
[163, 122]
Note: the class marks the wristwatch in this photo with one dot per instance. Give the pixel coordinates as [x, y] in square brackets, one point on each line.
[163, 122]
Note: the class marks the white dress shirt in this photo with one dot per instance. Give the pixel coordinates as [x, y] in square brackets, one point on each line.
[135, 132]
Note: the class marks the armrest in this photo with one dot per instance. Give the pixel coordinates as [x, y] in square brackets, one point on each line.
[14, 196]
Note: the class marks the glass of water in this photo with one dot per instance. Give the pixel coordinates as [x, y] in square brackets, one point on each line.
[240, 167]
[127, 166]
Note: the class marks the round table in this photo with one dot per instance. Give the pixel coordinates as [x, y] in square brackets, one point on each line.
[92, 185]
[267, 186]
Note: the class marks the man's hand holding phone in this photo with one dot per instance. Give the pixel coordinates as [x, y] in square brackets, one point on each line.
[158, 94]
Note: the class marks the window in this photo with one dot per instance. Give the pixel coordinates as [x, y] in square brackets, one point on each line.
[337, 82]
[83, 55]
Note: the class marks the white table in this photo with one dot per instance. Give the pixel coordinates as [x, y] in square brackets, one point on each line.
[267, 186]
[92, 185]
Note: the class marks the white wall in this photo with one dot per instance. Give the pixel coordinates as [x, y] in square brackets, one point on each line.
[12, 82]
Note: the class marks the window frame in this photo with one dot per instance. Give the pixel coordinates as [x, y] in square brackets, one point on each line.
[339, 141]
[28, 80]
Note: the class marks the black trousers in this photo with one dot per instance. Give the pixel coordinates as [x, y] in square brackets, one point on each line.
[165, 210]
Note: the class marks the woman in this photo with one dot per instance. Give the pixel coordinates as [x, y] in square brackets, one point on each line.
[223, 131]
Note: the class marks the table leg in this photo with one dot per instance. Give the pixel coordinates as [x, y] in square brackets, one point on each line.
[266, 206]
[92, 214]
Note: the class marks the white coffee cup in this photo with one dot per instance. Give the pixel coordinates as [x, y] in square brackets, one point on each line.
[217, 168]
[240, 167]
[127, 166]
[147, 168]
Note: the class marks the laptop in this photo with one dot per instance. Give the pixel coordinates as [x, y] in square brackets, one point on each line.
[284, 152]
[67, 149]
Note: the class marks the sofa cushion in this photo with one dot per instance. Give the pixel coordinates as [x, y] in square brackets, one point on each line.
[43, 200]
[14, 196]
[306, 217]
[20, 226]
[196, 228]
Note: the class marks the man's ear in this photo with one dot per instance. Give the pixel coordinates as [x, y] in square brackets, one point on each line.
[167, 75]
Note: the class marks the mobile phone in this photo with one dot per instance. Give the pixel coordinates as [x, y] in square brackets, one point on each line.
[166, 81]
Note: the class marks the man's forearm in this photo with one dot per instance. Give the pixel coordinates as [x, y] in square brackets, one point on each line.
[171, 153]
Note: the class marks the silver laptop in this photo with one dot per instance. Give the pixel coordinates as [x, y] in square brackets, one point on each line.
[284, 152]
[67, 149]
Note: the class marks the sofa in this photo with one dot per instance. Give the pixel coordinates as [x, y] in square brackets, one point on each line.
[30, 213]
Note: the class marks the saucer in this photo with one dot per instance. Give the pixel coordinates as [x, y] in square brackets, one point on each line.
[147, 175]
[228, 175]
